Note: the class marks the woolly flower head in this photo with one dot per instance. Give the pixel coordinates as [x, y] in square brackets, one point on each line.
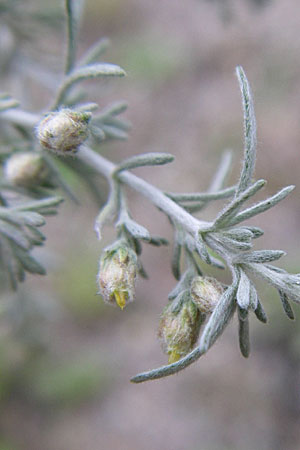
[63, 131]
[117, 274]
[205, 293]
[25, 169]
[179, 331]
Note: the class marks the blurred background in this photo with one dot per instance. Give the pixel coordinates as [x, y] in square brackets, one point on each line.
[65, 357]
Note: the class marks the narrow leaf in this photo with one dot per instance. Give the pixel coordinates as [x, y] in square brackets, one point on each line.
[30, 218]
[28, 262]
[202, 196]
[219, 319]
[256, 231]
[35, 236]
[262, 206]
[253, 297]
[249, 131]
[176, 257]
[232, 244]
[286, 305]
[169, 369]
[146, 159]
[243, 291]
[71, 38]
[260, 313]
[201, 249]
[259, 256]
[39, 204]
[14, 234]
[244, 333]
[239, 234]
[88, 72]
[135, 229]
[227, 213]
[285, 282]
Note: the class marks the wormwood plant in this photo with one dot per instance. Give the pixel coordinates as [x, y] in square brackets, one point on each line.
[70, 132]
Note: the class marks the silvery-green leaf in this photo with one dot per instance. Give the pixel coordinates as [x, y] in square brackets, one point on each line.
[219, 319]
[30, 218]
[202, 196]
[260, 313]
[233, 244]
[136, 230]
[28, 262]
[225, 217]
[285, 282]
[262, 206]
[176, 259]
[146, 159]
[201, 249]
[244, 333]
[258, 256]
[238, 234]
[256, 231]
[249, 132]
[98, 70]
[253, 297]
[286, 305]
[15, 234]
[243, 291]
[37, 205]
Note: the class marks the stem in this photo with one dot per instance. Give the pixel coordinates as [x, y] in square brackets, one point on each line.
[155, 195]
[71, 47]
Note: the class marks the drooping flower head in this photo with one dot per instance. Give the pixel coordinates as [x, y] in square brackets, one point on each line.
[179, 331]
[117, 274]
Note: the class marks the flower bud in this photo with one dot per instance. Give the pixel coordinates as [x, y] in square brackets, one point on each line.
[117, 275]
[63, 131]
[26, 169]
[206, 292]
[178, 332]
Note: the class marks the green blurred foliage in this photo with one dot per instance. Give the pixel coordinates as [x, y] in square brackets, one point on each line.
[152, 59]
[77, 289]
[67, 384]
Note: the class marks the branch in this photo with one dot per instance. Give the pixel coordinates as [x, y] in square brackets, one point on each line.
[107, 169]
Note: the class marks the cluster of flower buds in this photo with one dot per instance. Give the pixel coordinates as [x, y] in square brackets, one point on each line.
[179, 330]
[63, 131]
[117, 274]
[179, 326]
[26, 170]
